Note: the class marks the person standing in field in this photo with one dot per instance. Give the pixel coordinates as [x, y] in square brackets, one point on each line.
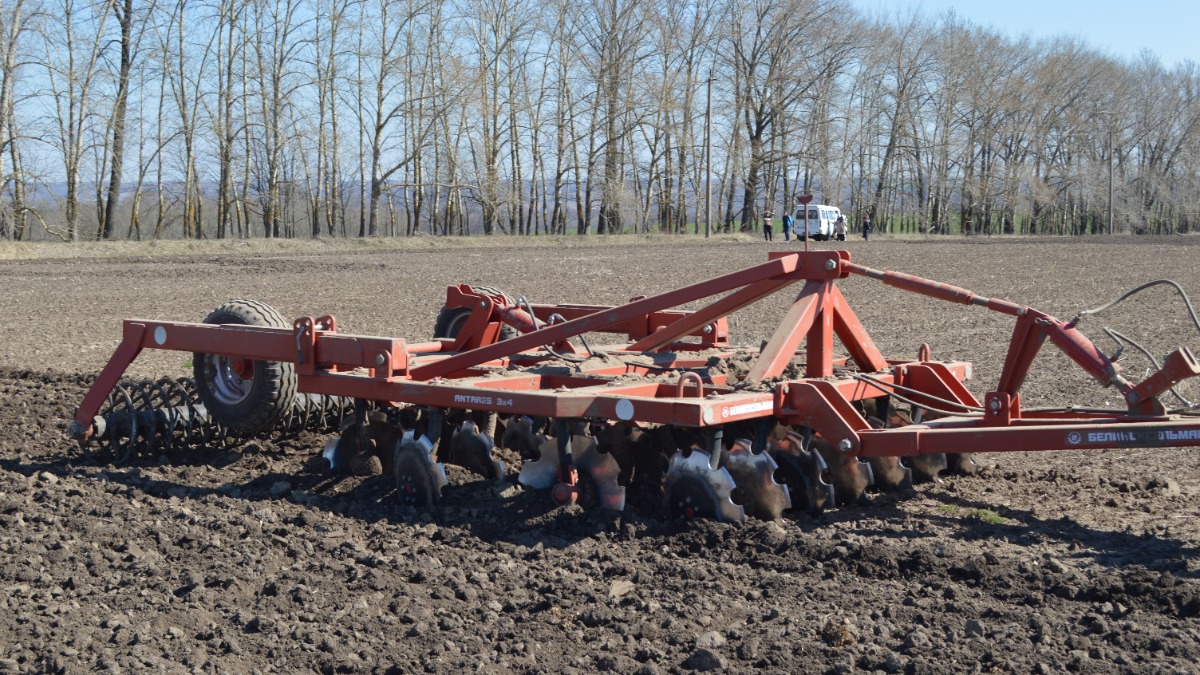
[866, 233]
[787, 226]
[768, 229]
[839, 229]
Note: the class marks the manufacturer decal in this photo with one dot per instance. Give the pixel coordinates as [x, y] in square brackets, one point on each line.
[1134, 438]
[483, 400]
[746, 408]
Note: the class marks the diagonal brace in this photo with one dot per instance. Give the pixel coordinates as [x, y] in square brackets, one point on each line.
[606, 317]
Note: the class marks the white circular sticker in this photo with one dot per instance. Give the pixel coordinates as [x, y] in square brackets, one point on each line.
[160, 335]
[624, 410]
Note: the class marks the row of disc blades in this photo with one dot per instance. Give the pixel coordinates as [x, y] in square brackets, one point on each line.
[761, 479]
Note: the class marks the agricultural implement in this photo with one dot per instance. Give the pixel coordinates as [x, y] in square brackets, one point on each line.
[719, 431]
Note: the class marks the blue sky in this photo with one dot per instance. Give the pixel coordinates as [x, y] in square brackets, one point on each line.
[1170, 29]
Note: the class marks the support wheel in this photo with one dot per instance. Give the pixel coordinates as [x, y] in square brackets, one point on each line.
[245, 395]
[450, 320]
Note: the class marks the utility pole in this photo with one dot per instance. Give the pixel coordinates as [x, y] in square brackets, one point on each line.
[1110, 175]
[1108, 115]
[708, 159]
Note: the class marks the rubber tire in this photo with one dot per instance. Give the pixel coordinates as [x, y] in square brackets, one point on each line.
[273, 385]
[447, 318]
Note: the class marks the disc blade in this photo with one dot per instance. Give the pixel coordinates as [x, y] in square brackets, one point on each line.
[603, 469]
[520, 437]
[541, 473]
[890, 474]
[338, 451]
[804, 471]
[849, 476]
[471, 449]
[962, 463]
[756, 489]
[696, 491]
[386, 437]
[925, 468]
[419, 480]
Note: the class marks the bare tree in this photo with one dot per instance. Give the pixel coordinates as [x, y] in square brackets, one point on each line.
[14, 29]
[906, 48]
[277, 46]
[329, 52]
[73, 48]
[495, 28]
[612, 37]
[222, 111]
[780, 52]
[398, 68]
[129, 45]
[514, 115]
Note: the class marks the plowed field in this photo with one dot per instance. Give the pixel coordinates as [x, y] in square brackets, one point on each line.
[243, 558]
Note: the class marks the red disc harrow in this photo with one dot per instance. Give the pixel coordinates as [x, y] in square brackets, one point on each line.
[724, 431]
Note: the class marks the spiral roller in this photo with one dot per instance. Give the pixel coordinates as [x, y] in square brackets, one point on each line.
[148, 417]
[312, 412]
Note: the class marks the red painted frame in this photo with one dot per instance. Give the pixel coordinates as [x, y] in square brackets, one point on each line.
[476, 370]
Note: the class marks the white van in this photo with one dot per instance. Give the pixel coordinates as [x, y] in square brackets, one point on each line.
[822, 221]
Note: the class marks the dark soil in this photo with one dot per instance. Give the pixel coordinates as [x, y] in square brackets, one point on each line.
[242, 558]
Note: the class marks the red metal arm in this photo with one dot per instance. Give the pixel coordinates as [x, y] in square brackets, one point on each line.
[1180, 365]
[1031, 330]
[934, 289]
[636, 328]
[1030, 435]
[717, 310]
[127, 351]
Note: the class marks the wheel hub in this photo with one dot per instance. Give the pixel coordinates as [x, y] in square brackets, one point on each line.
[229, 379]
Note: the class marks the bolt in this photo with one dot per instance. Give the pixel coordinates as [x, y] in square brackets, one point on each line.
[845, 445]
[707, 330]
[483, 303]
[994, 404]
[1132, 397]
[830, 264]
[379, 359]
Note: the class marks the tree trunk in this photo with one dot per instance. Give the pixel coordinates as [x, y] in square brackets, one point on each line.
[125, 18]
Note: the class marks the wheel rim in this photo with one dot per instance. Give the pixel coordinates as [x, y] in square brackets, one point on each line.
[229, 379]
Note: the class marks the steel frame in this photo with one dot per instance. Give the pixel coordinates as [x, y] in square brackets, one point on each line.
[476, 370]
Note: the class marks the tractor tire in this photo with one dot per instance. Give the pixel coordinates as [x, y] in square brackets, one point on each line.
[244, 395]
[451, 320]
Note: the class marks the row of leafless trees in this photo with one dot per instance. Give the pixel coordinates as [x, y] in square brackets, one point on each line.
[240, 118]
